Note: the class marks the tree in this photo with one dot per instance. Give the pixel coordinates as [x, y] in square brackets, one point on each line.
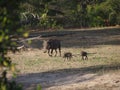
[70, 13]
[40, 13]
[114, 16]
[10, 29]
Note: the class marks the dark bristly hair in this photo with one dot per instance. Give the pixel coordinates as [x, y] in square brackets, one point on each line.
[84, 55]
[52, 44]
[67, 55]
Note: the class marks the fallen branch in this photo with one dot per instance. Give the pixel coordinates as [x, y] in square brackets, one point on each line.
[38, 37]
[20, 47]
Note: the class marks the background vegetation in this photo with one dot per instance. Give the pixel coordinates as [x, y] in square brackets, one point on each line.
[70, 14]
[15, 15]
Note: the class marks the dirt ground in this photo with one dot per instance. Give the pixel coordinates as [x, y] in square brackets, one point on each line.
[71, 81]
[74, 77]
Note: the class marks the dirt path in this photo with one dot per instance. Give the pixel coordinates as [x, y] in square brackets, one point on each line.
[70, 80]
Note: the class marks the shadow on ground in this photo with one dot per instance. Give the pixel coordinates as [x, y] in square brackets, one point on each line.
[84, 38]
[63, 76]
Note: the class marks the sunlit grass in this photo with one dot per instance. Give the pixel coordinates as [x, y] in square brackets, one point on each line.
[37, 61]
[101, 47]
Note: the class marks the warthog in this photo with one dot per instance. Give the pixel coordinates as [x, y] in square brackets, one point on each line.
[67, 55]
[50, 45]
[84, 55]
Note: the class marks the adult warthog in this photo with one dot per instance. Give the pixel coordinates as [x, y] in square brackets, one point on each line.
[50, 45]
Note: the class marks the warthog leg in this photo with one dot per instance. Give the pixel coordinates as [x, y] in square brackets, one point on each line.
[60, 51]
[49, 52]
[56, 52]
[84, 58]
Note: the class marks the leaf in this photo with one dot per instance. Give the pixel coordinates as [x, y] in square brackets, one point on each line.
[5, 63]
[12, 68]
[1, 36]
[26, 34]
[3, 87]
[29, 41]
[14, 75]
[6, 37]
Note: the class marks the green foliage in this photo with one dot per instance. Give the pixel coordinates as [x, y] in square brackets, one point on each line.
[115, 4]
[70, 13]
[11, 86]
[114, 15]
[39, 13]
[113, 18]
[39, 87]
[10, 29]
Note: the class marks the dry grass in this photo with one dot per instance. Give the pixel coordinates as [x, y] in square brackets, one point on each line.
[105, 44]
[37, 61]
